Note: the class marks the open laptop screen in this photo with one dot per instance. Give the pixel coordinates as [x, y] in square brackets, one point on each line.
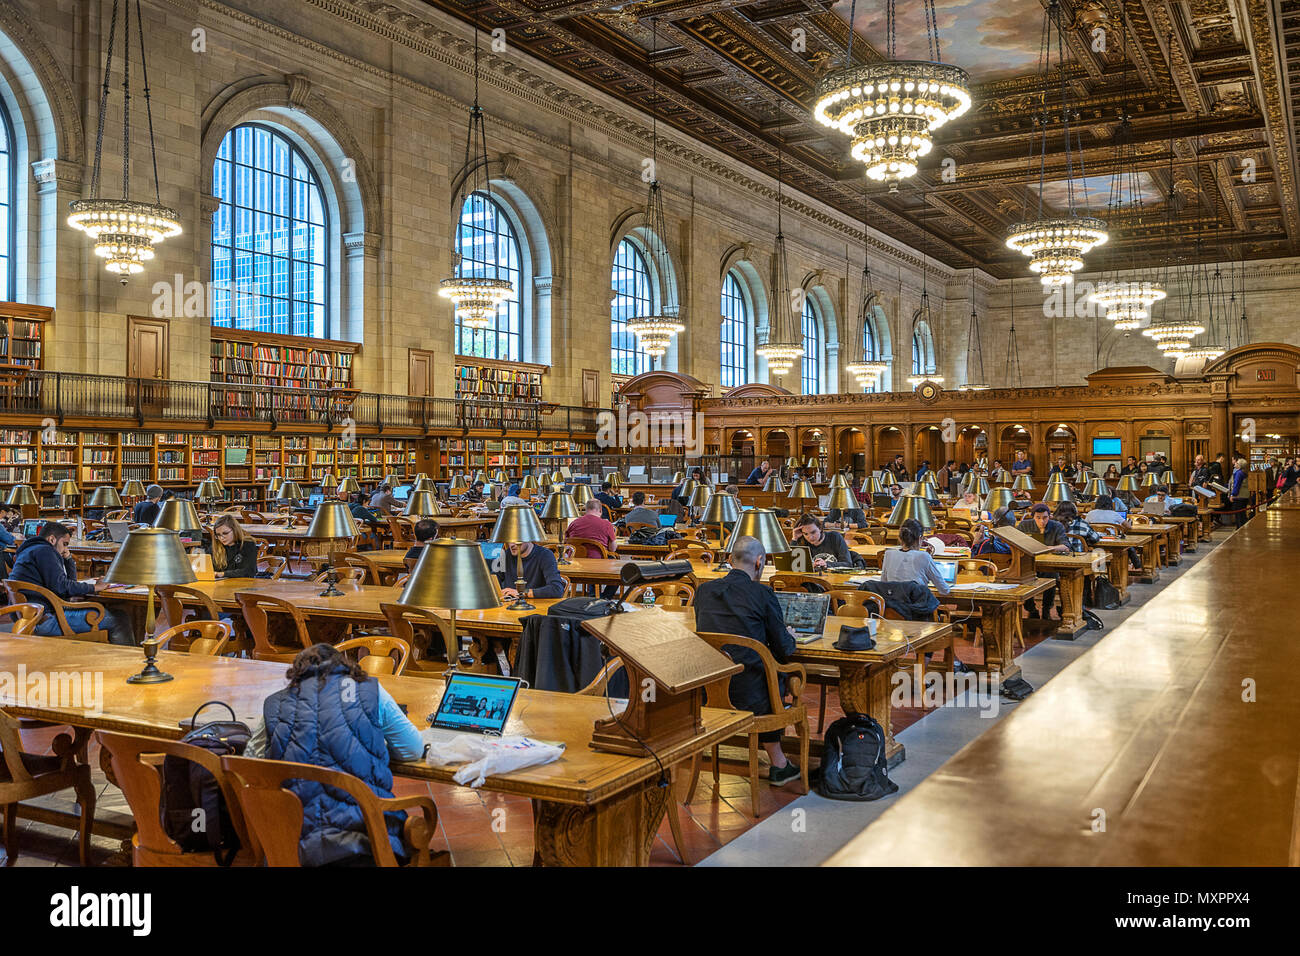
[803, 611]
[476, 703]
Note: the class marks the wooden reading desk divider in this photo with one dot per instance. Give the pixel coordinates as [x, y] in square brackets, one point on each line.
[667, 667]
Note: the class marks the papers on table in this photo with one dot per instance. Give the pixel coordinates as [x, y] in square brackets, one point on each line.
[982, 586]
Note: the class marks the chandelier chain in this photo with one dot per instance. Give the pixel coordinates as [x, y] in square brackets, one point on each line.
[103, 105]
[126, 101]
[148, 103]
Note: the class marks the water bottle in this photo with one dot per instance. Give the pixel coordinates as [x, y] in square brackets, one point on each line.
[648, 597]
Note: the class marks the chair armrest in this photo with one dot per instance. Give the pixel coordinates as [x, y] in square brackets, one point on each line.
[92, 620]
[418, 830]
[798, 677]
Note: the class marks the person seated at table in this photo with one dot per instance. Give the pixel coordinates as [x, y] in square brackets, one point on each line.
[997, 466]
[1158, 504]
[147, 510]
[759, 474]
[46, 560]
[1042, 526]
[1021, 499]
[11, 519]
[739, 604]
[969, 503]
[382, 500]
[1104, 512]
[512, 491]
[592, 524]
[336, 716]
[7, 540]
[474, 493]
[911, 562]
[828, 547]
[640, 514]
[852, 516]
[1022, 465]
[425, 530]
[1112, 473]
[986, 542]
[233, 550]
[359, 511]
[511, 500]
[673, 506]
[536, 566]
[1061, 468]
[607, 498]
[895, 492]
[1068, 515]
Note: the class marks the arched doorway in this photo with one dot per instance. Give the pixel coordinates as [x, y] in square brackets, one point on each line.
[928, 446]
[889, 442]
[853, 452]
[812, 447]
[777, 446]
[1062, 441]
[972, 444]
[742, 443]
[1012, 439]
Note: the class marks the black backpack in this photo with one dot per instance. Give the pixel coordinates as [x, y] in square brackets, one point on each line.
[1103, 594]
[853, 760]
[188, 787]
[1184, 510]
[651, 536]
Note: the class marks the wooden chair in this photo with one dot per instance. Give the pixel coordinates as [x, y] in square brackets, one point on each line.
[401, 579]
[565, 552]
[173, 600]
[591, 545]
[205, 638]
[846, 602]
[378, 660]
[258, 608]
[274, 814]
[372, 573]
[861, 537]
[253, 517]
[22, 618]
[21, 591]
[717, 694]
[786, 581]
[137, 769]
[350, 574]
[568, 587]
[700, 553]
[632, 526]
[276, 564]
[434, 647]
[402, 530]
[26, 776]
[681, 592]
[123, 514]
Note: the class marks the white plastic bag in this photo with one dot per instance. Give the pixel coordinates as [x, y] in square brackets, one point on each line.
[485, 756]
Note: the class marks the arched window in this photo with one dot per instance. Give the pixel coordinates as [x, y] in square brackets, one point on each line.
[633, 297]
[922, 350]
[812, 353]
[270, 260]
[8, 221]
[871, 349]
[735, 334]
[486, 237]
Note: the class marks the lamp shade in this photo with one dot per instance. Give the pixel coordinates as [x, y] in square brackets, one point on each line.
[928, 492]
[760, 523]
[615, 480]
[105, 497]
[679, 477]
[812, 462]
[721, 508]
[842, 499]
[1095, 488]
[207, 491]
[178, 514]
[929, 479]
[419, 475]
[328, 482]
[802, 490]
[557, 478]
[452, 574]
[459, 485]
[421, 504]
[559, 506]
[528, 484]
[67, 488]
[151, 556]
[133, 488]
[273, 486]
[699, 497]
[221, 485]
[871, 486]
[479, 476]
[1058, 491]
[422, 486]
[977, 483]
[1167, 478]
[1000, 476]
[1127, 482]
[390, 480]
[774, 484]
[500, 477]
[20, 495]
[289, 491]
[1150, 480]
[516, 523]
[838, 481]
[1023, 483]
[997, 498]
[1082, 477]
[688, 488]
[581, 494]
[911, 507]
[332, 520]
[348, 486]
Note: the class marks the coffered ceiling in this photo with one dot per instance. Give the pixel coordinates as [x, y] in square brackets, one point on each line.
[1221, 76]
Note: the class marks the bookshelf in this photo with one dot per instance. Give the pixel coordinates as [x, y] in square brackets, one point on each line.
[22, 346]
[511, 454]
[502, 381]
[290, 361]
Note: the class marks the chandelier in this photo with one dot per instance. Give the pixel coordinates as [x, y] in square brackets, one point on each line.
[975, 381]
[867, 368]
[784, 345]
[477, 298]
[890, 109]
[124, 231]
[1056, 245]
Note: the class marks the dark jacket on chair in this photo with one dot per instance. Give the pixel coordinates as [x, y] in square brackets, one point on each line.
[912, 600]
[737, 605]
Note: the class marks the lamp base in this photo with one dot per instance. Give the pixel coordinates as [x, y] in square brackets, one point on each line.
[150, 675]
[520, 605]
[331, 591]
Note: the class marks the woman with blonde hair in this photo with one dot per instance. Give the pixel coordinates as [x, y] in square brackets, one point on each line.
[233, 550]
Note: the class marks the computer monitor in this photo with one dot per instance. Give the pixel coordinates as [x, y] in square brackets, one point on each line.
[493, 552]
[32, 527]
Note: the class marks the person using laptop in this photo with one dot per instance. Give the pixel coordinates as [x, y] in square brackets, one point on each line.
[334, 715]
[828, 547]
[147, 510]
[607, 498]
[1158, 504]
[1042, 527]
[1080, 535]
[382, 500]
[911, 562]
[233, 550]
[739, 604]
[425, 530]
[536, 566]
[640, 514]
[759, 474]
[7, 540]
[1104, 512]
[969, 503]
[46, 560]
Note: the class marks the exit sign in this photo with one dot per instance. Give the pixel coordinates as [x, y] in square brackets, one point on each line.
[1266, 375]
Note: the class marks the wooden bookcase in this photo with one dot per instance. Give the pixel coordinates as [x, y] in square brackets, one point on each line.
[22, 348]
[511, 454]
[479, 378]
[264, 358]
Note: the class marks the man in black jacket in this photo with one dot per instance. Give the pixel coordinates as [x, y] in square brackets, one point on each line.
[146, 511]
[740, 604]
[1041, 525]
[45, 560]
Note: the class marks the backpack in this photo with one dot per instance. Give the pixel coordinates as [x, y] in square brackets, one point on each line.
[650, 536]
[1103, 594]
[853, 760]
[188, 787]
[1183, 511]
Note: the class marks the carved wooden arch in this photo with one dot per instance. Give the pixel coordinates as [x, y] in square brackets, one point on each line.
[60, 97]
[755, 390]
[663, 391]
[1240, 355]
[294, 99]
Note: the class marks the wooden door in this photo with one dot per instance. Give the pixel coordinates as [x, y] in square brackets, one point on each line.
[420, 379]
[148, 347]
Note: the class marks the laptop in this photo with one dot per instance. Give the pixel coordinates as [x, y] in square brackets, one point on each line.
[947, 571]
[118, 530]
[474, 704]
[314, 500]
[32, 527]
[882, 501]
[798, 560]
[804, 613]
[667, 521]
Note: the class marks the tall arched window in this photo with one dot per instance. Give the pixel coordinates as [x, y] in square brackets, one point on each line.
[8, 222]
[486, 237]
[735, 334]
[270, 257]
[812, 353]
[922, 350]
[871, 349]
[633, 297]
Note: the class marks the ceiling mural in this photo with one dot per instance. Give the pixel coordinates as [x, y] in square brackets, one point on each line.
[1217, 78]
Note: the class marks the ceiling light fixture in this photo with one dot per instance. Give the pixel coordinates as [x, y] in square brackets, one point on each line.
[784, 345]
[975, 381]
[867, 366]
[890, 109]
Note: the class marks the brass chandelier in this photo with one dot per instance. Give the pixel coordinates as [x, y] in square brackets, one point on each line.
[891, 109]
[1056, 245]
[784, 345]
[477, 298]
[124, 231]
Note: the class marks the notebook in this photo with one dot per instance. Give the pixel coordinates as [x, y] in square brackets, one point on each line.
[474, 704]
